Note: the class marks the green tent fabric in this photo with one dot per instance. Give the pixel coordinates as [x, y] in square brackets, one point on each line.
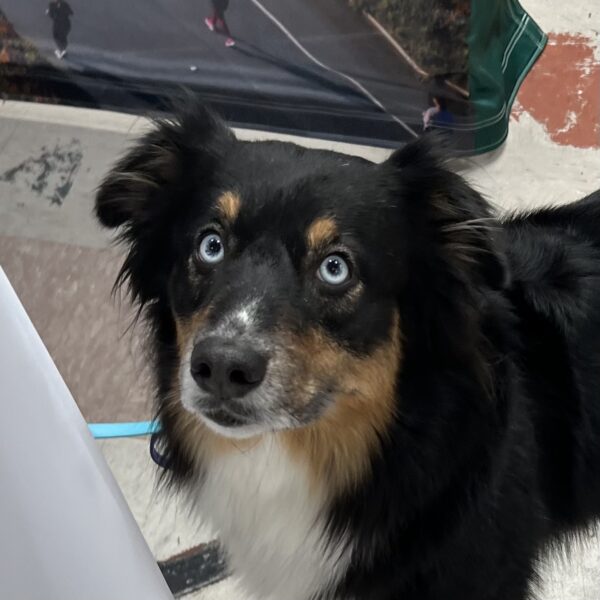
[504, 43]
[377, 72]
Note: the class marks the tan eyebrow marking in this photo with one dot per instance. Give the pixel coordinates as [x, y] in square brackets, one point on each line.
[229, 206]
[321, 232]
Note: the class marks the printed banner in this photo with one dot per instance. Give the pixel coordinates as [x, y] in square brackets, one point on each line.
[371, 71]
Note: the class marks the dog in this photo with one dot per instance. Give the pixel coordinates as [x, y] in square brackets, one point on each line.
[371, 385]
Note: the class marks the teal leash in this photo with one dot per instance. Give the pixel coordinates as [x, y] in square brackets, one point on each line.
[104, 431]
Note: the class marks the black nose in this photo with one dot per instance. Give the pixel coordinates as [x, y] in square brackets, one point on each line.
[227, 368]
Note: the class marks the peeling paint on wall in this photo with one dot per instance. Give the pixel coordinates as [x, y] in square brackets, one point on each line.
[50, 173]
[562, 92]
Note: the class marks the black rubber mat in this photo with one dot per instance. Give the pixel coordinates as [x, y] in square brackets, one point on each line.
[194, 569]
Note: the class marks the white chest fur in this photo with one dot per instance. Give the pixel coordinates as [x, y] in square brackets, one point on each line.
[271, 523]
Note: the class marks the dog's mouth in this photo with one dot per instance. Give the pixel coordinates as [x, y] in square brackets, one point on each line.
[225, 418]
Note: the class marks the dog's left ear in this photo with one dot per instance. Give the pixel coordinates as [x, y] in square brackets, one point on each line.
[456, 224]
[452, 271]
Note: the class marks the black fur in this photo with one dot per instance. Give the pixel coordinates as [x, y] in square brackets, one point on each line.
[495, 450]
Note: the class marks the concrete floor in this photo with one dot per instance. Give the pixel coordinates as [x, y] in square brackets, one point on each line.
[62, 265]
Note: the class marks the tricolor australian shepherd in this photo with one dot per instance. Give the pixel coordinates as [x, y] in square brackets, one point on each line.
[370, 384]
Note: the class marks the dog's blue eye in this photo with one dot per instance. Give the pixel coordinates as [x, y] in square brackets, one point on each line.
[334, 270]
[211, 249]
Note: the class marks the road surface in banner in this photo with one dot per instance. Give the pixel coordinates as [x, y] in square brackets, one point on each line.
[315, 56]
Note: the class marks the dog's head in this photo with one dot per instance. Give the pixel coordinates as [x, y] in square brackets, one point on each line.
[285, 285]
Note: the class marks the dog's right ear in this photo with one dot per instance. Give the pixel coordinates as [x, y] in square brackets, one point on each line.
[149, 187]
[136, 190]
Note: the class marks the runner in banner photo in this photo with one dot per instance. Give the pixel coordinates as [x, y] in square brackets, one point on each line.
[216, 22]
[60, 12]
